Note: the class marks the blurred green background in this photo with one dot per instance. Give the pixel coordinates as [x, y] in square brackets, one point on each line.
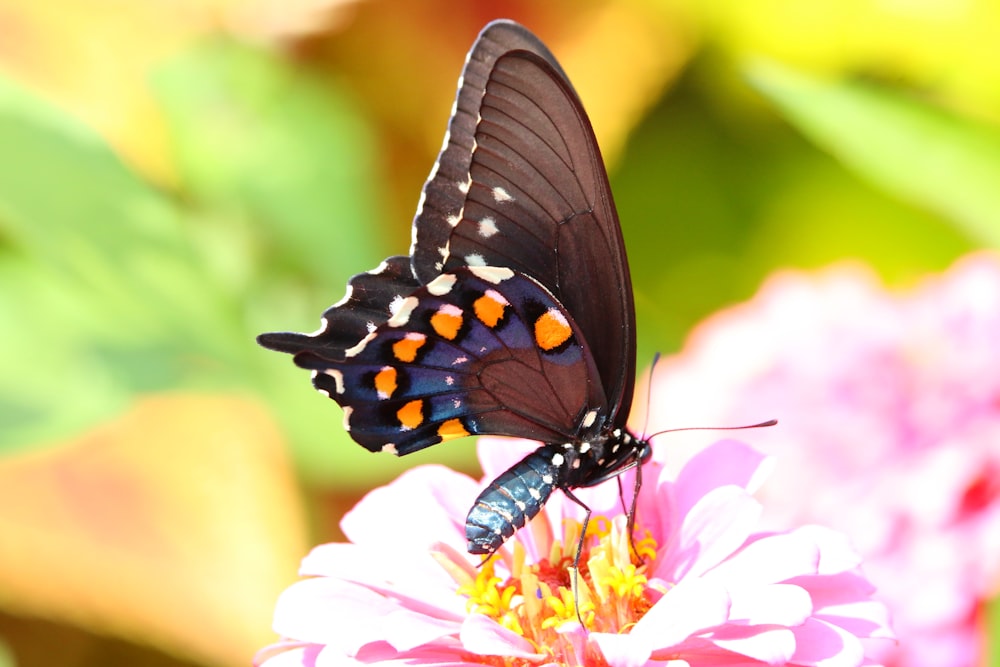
[176, 177]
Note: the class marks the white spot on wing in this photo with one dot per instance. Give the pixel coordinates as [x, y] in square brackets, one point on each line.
[584, 447]
[588, 421]
[354, 351]
[324, 323]
[533, 492]
[338, 378]
[350, 288]
[402, 314]
[464, 187]
[558, 459]
[491, 274]
[423, 194]
[396, 304]
[390, 448]
[501, 196]
[442, 284]
[475, 259]
[347, 417]
[487, 227]
[378, 270]
[453, 220]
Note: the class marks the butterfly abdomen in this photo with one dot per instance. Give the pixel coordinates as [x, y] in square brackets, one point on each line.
[513, 499]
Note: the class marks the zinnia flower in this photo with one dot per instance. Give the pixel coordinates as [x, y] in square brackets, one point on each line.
[889, 411]
[708, 590]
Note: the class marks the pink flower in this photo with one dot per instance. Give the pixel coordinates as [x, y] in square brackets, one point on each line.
[709, 590]
[889, 411]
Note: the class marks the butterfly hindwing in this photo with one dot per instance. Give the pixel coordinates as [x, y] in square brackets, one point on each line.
[477, 351]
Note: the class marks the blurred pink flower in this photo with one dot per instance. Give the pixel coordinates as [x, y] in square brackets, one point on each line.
[711, 590]
[889, 411]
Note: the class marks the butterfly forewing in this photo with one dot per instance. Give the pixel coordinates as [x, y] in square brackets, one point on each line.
[536, 198]
[444, 194]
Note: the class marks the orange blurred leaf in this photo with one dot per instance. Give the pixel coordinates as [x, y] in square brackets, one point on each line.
[176, 525]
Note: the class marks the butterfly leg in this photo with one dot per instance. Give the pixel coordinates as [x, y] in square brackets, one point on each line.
[579, 552]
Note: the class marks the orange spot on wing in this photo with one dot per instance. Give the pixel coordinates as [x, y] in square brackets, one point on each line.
[385, 382]
[489, 308]
[447, 321]
[406, 348]
[453, 428]
[551, 330]
[411, 415]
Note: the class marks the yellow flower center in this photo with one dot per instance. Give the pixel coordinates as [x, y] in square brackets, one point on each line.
[538, 599]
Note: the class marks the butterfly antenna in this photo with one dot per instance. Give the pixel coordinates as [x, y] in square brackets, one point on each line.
[769, 422]
[649, 393]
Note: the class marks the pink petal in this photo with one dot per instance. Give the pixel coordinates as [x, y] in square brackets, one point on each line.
[447, 655]
[824, 645]
[836, 553]
[622, 650]
[770, 559]
[835, 589]
[691, 607]
[771, 646]
[482, 635]
[424, 505]
[347, 616]
[865, 618]
[717, 525]
[287, 654]
[725, 463]
[497, 454]
[417, 580]
[770, 604]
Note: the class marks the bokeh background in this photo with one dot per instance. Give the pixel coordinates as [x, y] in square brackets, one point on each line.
[177, 176]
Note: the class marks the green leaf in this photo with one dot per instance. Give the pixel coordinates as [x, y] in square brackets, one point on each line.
[102, 295]
[260, 140]
[918, 152]
[992, 632]
[278, 163]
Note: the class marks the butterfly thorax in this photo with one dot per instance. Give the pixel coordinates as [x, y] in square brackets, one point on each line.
[592, 461]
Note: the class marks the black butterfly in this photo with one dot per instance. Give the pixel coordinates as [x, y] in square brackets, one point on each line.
[513, 314]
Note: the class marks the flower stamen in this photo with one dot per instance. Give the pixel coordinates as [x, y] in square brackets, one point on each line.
[539, 600]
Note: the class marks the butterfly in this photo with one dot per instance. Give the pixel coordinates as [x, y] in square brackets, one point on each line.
[513, 313]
